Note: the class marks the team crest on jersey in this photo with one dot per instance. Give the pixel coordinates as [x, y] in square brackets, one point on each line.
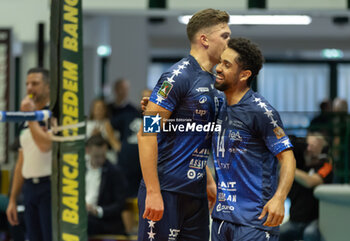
[279, 132]
[165, 89]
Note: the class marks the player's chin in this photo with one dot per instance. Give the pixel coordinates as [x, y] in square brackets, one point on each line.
[219, 84]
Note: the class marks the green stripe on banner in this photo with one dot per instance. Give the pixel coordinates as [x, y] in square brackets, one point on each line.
[68, 180]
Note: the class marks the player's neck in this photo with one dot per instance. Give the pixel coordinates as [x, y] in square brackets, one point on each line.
[203, 59]
[41, 104]
[234, 95]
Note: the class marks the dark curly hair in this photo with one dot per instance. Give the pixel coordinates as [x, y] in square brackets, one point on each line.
[250, 56]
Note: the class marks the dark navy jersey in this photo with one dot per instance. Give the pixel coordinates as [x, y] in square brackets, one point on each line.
[245, 163]
[188, 92]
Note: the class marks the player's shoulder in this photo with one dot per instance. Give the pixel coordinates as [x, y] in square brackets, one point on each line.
[259, 104]
[180, 71]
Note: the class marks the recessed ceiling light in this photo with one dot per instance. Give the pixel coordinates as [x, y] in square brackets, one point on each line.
[261, 19]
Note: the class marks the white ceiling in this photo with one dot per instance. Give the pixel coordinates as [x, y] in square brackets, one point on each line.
[169, 37]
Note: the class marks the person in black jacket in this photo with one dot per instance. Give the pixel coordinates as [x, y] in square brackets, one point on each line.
[313, 168]
[105, 190]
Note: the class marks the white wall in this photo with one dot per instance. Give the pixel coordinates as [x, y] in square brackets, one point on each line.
[130, 53]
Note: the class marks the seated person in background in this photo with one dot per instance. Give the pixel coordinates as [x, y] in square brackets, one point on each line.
[313, 170]
[323, 121]
[105, 190]
[341, 119]
[99, 123]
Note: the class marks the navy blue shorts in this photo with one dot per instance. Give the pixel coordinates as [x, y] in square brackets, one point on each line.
[226, 231]
[185, 218]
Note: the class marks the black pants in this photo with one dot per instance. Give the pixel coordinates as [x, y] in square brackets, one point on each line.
[37, 214]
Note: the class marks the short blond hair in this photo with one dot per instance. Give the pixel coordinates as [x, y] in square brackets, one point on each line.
[204, 19]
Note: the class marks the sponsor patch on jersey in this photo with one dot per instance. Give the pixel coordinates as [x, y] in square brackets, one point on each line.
[202, 89]
[165, 89]
[279, 132]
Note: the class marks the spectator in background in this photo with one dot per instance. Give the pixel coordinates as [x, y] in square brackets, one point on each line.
[121, 94]
[105, 190]
[340, 121]
[340, 105]
[323, 121]
[314, 169]
[99, 123]
[126, 119]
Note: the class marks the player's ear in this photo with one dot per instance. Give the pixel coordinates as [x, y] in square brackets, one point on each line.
[204, 40]
[244, 75]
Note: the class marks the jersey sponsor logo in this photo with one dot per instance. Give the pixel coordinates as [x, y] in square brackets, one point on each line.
[229, 198]
[197, 164]
[221, 197]
[202, 89]
[165, 89]
[234, 136]
[200, 175]
[191, 174]
[222, 165]
[237, 150]
[236, 123]
[227, 186]
[151, 123]
[202, 100]
[201, 115]
[173, 233]
[279, 132]
[224, 208]
[201, 112]
[204, 152]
